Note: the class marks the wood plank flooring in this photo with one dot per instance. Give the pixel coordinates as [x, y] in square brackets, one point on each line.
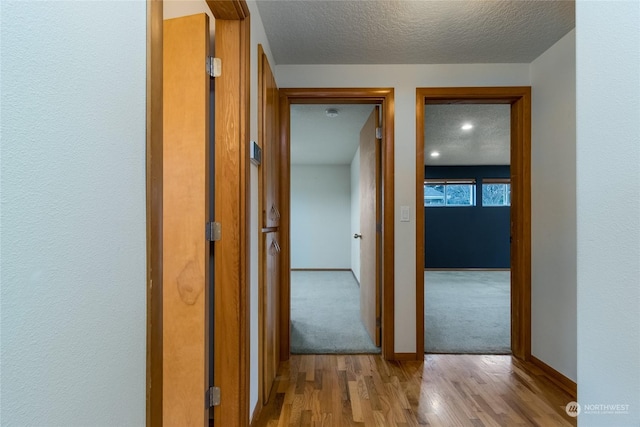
[443, 390]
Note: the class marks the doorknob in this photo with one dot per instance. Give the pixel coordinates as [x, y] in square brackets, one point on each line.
[357, 236]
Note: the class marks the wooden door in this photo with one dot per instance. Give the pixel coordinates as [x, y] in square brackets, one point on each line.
[269, 293]
[185, 212]
[370, 217]
[269, 100]
[270, 309]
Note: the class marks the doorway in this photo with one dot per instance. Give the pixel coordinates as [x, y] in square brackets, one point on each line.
[519, 101]
[335, 181]
[384, 98]
[467, 228]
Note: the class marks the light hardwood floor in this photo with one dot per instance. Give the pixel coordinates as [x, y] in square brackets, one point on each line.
[444, 390]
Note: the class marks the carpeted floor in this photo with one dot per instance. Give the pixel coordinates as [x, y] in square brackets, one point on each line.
[467, 312]
[325, 314]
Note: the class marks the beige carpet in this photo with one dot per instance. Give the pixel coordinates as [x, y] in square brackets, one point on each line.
[467, 312]
[325, 314]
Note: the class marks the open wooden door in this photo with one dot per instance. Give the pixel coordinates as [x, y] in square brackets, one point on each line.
[185, 212]
[370, 227]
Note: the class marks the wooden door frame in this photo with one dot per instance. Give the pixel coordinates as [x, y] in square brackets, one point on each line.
[384, 97]
[232, 28]
[520, 100]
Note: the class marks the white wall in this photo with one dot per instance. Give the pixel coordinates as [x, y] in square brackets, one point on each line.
[258, 36]
[73, 213]
[608, 209]
[354, 170]
[404, 79]
[553, 207]
[320, 216]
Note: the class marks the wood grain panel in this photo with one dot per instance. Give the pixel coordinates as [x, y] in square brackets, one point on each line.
[520, 100]
[385, 98]
[185, 200]
[231, 342]
[439, 390]
[154, 213]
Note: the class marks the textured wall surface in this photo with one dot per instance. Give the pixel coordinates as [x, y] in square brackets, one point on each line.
[73, 214]
[553, 207]
[608, 153]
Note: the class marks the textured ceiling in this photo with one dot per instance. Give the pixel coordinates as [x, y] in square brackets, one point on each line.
[413, 32]
[487, 143]
[318, 139]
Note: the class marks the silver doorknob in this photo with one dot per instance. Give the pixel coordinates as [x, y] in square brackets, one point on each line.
[357, 236]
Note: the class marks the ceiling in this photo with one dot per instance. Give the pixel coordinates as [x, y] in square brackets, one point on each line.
[413, 32]
[410, 32]
[319, 139]
[487, 143]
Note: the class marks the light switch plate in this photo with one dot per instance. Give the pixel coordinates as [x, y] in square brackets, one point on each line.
[405, 215]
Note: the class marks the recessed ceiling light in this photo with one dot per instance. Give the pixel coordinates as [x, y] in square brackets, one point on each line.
[467, 126]
[435, 154]
[331, 112]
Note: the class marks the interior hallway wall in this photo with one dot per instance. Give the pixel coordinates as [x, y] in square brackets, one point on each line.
[553, 207]
[320, 217]
[608, 243]
[73, 219]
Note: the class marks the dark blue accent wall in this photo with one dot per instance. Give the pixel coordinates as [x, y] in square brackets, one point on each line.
[467, 237]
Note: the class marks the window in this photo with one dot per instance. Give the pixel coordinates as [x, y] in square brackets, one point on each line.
[449, 192]
[496, 192]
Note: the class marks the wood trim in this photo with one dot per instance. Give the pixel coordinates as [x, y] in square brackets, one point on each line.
[154, 214]
[556, 377]
[407, 356]
[232, 10]
[284, 335]
[465, 269]
[420, 101]
[231, 343]
[520, 100]
[256, 414]
[384, 97]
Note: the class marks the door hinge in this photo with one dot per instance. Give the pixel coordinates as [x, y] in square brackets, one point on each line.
[214, 66]
[378, 322]
[213, 397]
[213, 231]
[378, 133]
[378, 228]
